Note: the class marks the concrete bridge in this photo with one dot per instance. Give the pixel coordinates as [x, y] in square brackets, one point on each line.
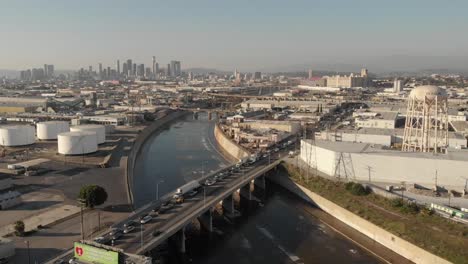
[171, 224]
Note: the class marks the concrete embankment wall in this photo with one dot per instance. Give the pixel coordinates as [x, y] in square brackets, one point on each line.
[383, 237]
[144, 135]
[228, 145]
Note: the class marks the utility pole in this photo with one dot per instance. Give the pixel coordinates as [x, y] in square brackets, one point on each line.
[141, 234]
[81, 202]
[29, 254]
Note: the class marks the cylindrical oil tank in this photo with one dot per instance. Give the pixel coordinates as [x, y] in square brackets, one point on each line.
[77, 143]
[100, 131]
[20, 135]
[50, 130]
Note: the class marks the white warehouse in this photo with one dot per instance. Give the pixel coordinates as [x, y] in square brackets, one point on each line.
[360, 161]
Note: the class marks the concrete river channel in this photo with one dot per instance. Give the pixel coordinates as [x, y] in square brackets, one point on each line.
[279, 228]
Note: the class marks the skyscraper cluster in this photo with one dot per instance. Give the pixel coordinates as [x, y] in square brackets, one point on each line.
[130, 69]
[36, 74]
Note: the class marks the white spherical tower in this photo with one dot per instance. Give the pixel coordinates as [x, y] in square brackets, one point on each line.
[426, 127]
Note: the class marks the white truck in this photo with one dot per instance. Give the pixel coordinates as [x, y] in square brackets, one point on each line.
[186, 188]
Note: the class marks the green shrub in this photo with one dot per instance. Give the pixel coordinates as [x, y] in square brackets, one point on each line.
[397, 202]
[358, 189]
[19, 228]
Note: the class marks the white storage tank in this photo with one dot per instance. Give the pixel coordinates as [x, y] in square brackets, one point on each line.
[100, 131]
[50, 130]
[20, 135]
[77, 142]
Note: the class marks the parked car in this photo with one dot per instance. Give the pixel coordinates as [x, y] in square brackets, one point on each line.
[145, 219]
[117, 235]
[128, 229]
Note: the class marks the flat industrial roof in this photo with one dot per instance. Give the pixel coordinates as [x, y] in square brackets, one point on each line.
[352, 147]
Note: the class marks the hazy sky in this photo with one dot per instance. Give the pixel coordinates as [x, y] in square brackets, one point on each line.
[247, 34]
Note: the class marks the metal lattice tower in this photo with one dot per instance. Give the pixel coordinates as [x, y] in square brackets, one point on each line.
[426, 127]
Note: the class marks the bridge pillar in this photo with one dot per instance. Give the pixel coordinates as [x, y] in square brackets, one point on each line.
[246, 191]
[260, 182]
[228, 204]
[206, 220]
[181, 240]
[228, 207]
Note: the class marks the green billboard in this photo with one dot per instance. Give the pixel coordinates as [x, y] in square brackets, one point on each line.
[90, 254]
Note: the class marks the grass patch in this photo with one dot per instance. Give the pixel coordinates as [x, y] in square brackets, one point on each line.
[407, 220]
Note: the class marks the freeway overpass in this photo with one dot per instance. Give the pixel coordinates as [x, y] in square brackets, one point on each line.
[171, 224]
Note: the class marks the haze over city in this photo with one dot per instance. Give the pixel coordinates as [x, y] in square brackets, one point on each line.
[250, 35]
[249, 131]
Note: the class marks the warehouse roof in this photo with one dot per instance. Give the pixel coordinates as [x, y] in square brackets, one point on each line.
[351, 147]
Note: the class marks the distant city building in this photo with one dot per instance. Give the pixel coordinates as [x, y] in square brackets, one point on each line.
[310, 74]
[397, 86]
[134, 69]
[168, 70]
[100, 70]
[349, 81]
[118, 67]
[124, 69]
[129, 67]
[154, 67]
[257, 75]
[141, 70]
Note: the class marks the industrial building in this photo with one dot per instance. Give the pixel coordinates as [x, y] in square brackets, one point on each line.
[370, 162]
[380, 136]
[305, 105]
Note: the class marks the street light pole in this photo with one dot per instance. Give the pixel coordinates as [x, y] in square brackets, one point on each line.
[29, 255]
[141, 234]
[204, 196]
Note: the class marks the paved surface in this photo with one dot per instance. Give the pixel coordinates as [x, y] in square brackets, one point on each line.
[48, 243]
[45, 218]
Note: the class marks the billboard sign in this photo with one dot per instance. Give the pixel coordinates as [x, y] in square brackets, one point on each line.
[95, 255]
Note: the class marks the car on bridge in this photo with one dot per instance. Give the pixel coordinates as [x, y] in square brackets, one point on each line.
[157, 232]
[210, 182]
[166, 207]
[105, 240]
[145, 219]
[130, 223]
[129, 229]
[192, 193]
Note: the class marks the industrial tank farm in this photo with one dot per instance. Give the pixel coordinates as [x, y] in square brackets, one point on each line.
[21, 135]
[50, 130]
[100, 131]
[77, 143]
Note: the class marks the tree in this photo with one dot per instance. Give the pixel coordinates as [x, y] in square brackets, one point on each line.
[92, 195]
[19, 228]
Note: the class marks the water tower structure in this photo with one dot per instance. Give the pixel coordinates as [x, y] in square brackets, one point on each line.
[426, 126]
